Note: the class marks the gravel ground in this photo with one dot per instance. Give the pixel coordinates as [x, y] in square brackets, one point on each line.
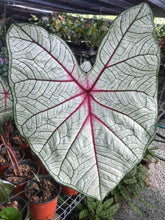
[155, 194]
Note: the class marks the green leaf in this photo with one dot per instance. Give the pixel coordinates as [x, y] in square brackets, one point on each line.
[99, 208]
[107, 204]
[125, 193]
[147, 203]
[5, 190]
[92, 204]
[135, 208]
[132, 180]
[116, 194]
[153, 148]
[134, 191]
[10, 214]
[132, 173]
[97, 218]
[83, 214]
[110, 212]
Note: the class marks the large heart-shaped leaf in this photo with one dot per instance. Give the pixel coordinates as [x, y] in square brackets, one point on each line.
[89, 129]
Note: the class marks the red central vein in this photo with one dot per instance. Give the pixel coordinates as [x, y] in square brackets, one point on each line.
[100, 121]
[92, 132]
[5, 94]
[79, 106]
[83, 124]
[61, 103]
[112, 109]
[106, 65]
[69, 73]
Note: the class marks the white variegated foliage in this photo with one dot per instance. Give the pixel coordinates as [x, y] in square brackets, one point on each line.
[88, 129]
[5, 102]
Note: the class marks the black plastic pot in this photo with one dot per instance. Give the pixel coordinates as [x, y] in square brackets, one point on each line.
[6, 165]
[20, 186]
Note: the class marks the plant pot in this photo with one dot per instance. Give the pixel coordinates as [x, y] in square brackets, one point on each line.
[6, 165]
[23, 206]
[26, 148]
[43, 210]
[20, 142]
[68, 191]
[21, 185]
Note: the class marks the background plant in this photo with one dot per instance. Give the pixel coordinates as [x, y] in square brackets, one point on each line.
[74, 29]
[93, 209]
[8, 213]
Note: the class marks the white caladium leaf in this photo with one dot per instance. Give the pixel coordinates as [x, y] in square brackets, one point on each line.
[5, 97]
[89, 129]
[5, 102]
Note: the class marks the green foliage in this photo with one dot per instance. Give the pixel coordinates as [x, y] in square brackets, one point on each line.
[10, 214]
[5, 190]
[74, 29]
[3, 63]
[131, 184]
[93, 209]
[135, 208]
[3, 25]
[150, 153]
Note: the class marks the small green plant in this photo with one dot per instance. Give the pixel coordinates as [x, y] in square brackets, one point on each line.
[150, 153]
[8, 213]
[93, 209]
[131, 185]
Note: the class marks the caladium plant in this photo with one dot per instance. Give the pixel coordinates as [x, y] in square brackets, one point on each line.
[89, 129]
[5, 102]
[6, 114]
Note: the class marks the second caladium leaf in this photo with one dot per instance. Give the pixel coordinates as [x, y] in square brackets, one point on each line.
[89, 129]
[5, 103]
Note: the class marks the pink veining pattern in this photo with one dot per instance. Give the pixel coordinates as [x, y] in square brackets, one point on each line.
[86, 92]
[90, 114]
[5, 96]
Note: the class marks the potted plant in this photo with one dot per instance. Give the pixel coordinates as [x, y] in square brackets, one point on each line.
[20, 142]
[13, 207]
[5, 161]
[43, 193]
[6, 125]
[28, 170]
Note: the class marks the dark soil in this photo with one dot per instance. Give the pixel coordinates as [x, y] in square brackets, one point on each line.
[4, 157]
[41, 191]
[27, 173]
[13, 204]
[17, 139]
